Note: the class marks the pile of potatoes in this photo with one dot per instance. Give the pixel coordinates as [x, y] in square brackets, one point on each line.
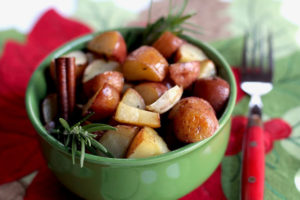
[170, 86]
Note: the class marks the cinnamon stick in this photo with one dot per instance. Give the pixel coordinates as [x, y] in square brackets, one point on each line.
[66, 84]
[61, 77]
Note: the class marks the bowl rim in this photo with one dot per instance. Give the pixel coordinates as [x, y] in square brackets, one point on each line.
[89, 158]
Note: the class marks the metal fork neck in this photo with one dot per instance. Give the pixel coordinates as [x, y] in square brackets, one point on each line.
[255, 110]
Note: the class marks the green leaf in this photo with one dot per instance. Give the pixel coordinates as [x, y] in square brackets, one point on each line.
[82, 153]
[65, 124]
[97, 127]
[101, 148]
[73, 149]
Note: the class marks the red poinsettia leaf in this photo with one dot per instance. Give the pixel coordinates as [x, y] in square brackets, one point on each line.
[238, 128]
[268, 142]
[240, 93]
[211, 189]
[278, 129]
[19, 149]
[45, 186]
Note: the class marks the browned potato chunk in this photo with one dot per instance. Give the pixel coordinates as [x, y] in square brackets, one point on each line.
[103, 103]
[167, 100]
[194, 120]
[188, 52]
[114, 79]
[118, 141]
[145, 63]
[109, 44]
[167, 44]
[147, 143]
[214, 90]
[99, 66]
[184, 74]
[134, 116]
[150, 91]
[133, 98]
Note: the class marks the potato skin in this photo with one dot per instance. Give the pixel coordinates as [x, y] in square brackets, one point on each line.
[184, 74]
[113, 78]
[214, 90]
[194, 120]
[103, 103]
[167, 44]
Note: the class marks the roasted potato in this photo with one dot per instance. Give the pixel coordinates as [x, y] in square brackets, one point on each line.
[167, 44]
[132, 98]
[130, 115]
[150, 91]
[113, 78]
[146, 143]
[184, 74]
[193, 120]
[118, 141]
[214, 90]
[103, 103]
[145, 63]
[207, 69]
[188, 52]
[99, 66]
[109, 44]
[167, 100]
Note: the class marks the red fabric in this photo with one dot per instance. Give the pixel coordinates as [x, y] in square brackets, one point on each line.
[19, 150]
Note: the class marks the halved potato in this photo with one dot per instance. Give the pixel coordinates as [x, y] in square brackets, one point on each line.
[99, 66]
[134, 116]
[150, 91]
[133, 98]
[113, 78]
[167, 44]
[147, 143]
[184, 74]
[103, 103]
[145, 63]
[188, 52]
[109, 44]
[167, 100]
[118, 141]
[207, 69]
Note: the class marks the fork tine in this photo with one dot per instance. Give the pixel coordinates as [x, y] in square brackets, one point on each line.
[253, 53]
[261, 52]
[244, 54]
[270, 57]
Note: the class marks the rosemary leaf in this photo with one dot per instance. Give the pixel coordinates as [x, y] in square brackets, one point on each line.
[183, 7]
[97, 127]
[67, 140]
[73, 149]
[101, 148]
[82, 153]
[65, 124]
[83, 119]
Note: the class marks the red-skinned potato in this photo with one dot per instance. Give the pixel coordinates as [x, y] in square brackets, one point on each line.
[113, 78]
[150, 91]
[109, 44]
[193, 120]
[103, 103]
[184, 74]
[188, 52]
[167, 44]
[214, 90]
[145, 63]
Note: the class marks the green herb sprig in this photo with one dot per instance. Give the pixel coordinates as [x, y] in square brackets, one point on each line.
[82, 136]
[172, 22]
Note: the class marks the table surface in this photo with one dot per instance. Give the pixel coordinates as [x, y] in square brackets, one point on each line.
[223, 24]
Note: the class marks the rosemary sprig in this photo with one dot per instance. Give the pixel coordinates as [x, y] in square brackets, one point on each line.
[173, 22]
[82, 136]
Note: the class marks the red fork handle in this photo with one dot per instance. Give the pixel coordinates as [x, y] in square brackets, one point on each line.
[253, 164]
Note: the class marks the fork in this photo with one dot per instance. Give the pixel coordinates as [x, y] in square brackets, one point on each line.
[255, 81]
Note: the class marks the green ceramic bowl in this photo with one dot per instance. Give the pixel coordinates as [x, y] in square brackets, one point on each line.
[168, 176]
